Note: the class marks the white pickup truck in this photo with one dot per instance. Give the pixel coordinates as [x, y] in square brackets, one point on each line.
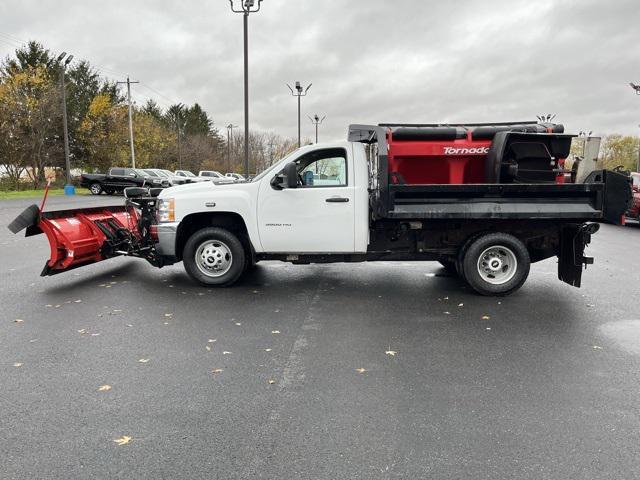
[486, 201]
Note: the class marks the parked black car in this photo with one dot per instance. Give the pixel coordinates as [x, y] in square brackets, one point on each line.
[118, 179]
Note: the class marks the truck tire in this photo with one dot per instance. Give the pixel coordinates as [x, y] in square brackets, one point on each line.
[496, 264]
[95, 188]
[214, 257]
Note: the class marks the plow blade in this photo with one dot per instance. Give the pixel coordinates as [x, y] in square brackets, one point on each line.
[82, 236]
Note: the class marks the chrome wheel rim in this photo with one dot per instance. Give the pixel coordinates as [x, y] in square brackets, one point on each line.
[95, 188]
[213, 258]
[497, 265]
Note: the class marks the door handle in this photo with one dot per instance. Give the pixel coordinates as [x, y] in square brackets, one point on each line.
[337, 200]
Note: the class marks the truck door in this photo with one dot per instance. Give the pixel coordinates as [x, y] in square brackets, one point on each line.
[316, 217]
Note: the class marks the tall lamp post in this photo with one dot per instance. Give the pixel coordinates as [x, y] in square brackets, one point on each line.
[300, 91]
[230, 128]
[246, 7]
[637, 90]
[69, 189]
[316, 120]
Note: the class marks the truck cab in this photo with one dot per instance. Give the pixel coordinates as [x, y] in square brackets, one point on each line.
[326, 212]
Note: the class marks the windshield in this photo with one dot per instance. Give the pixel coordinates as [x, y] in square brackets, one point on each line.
[260, 176]
[151, 172]
[187, 173]
[141, 173]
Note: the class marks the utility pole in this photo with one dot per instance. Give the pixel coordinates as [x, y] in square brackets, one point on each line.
[246, 7]
[316, 120]
[230, 128]
[299, 92]
[133, 152]
[69, 189]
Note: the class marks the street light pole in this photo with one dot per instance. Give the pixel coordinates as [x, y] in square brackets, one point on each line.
[300, 91]
[68, 188]
[636, 87]
[316, 120]
[230, 128]
[246, 7]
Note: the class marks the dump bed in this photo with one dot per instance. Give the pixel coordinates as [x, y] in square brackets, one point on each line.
[481, 171]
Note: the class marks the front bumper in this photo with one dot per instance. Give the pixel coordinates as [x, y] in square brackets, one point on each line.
[166, 244]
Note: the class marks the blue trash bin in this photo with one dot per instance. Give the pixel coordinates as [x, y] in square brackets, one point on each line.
[69, 190]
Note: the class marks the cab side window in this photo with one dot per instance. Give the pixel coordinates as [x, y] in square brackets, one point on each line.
[323, 168]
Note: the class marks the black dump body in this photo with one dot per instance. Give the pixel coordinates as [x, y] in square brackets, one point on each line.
[521, 197]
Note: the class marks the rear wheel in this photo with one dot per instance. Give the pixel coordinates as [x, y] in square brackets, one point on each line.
[214, 257]
[95, 188]
[496, 264]
[109, 191]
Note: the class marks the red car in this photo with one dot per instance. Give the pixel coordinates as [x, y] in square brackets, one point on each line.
[634, 212]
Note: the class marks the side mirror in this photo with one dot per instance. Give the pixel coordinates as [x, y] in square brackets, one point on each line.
[288, 178]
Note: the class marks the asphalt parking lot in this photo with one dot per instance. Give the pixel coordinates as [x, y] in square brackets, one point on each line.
[380, 370]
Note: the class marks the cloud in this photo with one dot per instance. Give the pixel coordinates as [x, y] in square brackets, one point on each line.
[369, 61]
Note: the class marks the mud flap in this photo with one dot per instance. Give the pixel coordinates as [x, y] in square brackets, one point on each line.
[573, 240]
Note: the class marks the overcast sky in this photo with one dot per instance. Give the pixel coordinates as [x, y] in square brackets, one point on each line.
[370, 61]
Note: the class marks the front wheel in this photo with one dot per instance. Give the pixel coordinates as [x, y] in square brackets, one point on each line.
[95, 188]
[496, 264]
[214, 257]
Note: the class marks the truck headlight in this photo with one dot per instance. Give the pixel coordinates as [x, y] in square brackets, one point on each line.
[166, 210]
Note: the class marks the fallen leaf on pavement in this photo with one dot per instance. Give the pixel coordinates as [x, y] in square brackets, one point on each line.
[275, 332]
[360, 370]
[123, 440]
[216, 370]
[226, 353]
[391, 352]
[461, 304]
[18, 364]
[82, 331]
[486, 317]
[18, 320]
[168, 314]
[78, 301]
[488, 328]
[104, 388]
[143, 360]
[271, 382]
[211, 340]
[597, 347]
[267, 349]
[208, 348]
[238, 323]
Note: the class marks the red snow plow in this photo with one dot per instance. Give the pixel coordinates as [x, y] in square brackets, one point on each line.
[83, 236]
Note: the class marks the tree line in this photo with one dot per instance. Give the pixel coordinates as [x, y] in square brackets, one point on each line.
[179, 136]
